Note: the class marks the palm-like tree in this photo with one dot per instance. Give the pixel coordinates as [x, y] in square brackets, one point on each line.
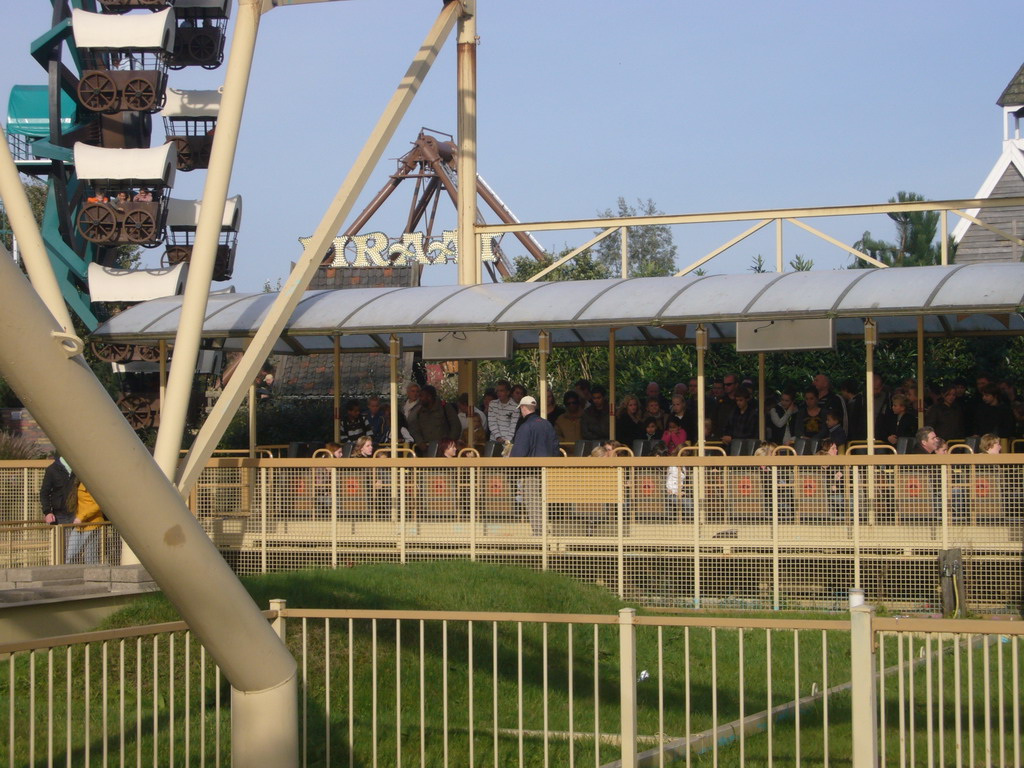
[915, 244]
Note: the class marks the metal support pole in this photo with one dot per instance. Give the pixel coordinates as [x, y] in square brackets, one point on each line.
[779, 266]
[870, 340]
[252, 420]
[611, 383]
[862, 675]
[762, 396]
[627, 685]
[204, 252]
[470, 271]
[163, 374]
[73, 408]
[279, 624]
[920, 370]
[337, 389]
[468, 378]
[702, 406]
[624, 252]
[29, 239]
[393, 355]
[292, 292]
[544, 349]
[469, 247]
[944, 236]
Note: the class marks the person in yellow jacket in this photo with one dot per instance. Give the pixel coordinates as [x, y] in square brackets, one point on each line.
[84, 538]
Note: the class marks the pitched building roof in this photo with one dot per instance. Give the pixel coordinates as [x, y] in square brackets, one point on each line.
[362, 374]
[1013, 94]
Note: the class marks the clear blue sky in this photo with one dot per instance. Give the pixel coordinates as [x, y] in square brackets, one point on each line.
[701, 107]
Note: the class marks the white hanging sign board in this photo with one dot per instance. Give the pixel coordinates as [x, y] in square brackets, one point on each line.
[467, 345]
[785, 335]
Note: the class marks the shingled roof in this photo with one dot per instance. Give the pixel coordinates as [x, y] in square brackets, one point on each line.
[361, 374]
[1013, 94]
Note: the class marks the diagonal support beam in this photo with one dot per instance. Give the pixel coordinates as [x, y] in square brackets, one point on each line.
[828, 239]
[263, 342]
[708, 257]
[995, 230]
[23, 223]
[571, 254]
[40, 363]
[204, 252]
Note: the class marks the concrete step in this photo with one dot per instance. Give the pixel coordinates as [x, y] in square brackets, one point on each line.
[53, 593]
[43, 573]
[19, 586]
[48, 583]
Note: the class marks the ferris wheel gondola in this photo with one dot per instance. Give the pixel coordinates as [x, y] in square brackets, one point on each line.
[124, 59]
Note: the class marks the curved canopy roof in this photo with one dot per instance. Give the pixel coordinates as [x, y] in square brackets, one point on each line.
[110, 284]
[128, 32]
[28, 111]
[155, 165]
[968, 299]
[184, 214]
[194, 104]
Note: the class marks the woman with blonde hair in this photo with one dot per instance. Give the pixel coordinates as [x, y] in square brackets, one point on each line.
[629, 421]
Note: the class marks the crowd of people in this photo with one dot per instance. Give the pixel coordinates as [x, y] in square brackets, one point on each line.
[821, 411]
[144, 195]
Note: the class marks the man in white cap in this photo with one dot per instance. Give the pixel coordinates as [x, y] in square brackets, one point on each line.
[535, 437]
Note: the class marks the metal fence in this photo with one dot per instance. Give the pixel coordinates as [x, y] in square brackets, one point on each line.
[769, 532]
[410, 688]
[775, 533]
[29, 545]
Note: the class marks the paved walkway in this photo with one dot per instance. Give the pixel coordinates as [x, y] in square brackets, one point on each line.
[63, 582]
[52, 600]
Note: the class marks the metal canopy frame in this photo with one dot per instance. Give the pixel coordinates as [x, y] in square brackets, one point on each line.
[975, 299]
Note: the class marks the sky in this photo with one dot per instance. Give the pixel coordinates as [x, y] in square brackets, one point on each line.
[700, 107]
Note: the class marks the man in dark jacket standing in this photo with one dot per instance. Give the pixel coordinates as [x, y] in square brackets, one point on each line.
[58, 484]
[433, 420]
[534, 438]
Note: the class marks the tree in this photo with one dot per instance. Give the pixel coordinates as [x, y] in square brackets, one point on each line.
[580, 267]
[36, 194]
[799, 264]
[651, 252]
[915, 244]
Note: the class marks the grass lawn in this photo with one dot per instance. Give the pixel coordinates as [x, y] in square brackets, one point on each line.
[418, 666]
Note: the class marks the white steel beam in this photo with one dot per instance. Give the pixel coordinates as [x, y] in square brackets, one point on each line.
[315, 250]
[30, 241]
[54, 382]
[174, 406]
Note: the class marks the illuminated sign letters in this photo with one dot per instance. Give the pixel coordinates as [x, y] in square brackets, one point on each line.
[376, 249]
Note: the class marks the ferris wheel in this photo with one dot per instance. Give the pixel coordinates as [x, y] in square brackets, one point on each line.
[87, 134]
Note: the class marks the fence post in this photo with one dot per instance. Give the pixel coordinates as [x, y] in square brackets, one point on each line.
[862, 672]
[278, 623]
[627, 685]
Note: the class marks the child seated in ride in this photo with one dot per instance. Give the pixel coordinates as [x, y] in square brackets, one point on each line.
[836, 433]
[674, 436]
[652, 429]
